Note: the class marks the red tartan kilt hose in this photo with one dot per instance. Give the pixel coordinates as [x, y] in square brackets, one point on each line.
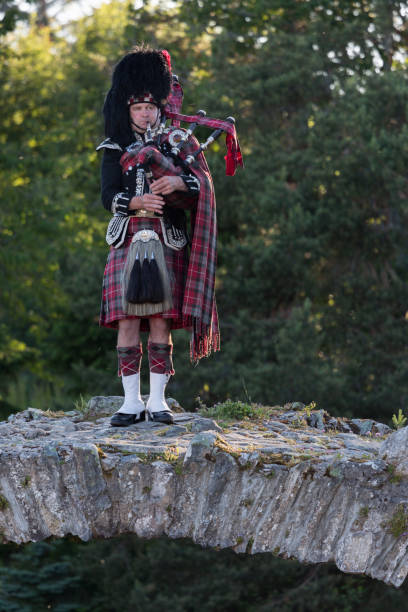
[176, 261]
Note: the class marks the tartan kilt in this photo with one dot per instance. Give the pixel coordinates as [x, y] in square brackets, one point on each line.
[177, 265]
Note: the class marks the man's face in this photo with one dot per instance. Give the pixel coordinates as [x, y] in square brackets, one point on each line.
[143, 113]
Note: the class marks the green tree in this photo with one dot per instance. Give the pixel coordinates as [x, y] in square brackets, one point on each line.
[136, 575]
[312, 236]
[312, 259]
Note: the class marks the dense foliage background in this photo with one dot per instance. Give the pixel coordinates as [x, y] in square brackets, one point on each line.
[132, 575]
[312, 277]
[313, 264]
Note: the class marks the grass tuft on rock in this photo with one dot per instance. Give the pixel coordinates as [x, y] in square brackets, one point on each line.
[3, 502]
[398, 524]
[231, 410]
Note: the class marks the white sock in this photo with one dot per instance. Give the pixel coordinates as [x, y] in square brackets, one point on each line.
[156, 401]
[133, 403]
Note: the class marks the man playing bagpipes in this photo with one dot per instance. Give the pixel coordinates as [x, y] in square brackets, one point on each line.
[150, 175]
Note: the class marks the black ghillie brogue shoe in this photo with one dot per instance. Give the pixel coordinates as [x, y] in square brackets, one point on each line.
[164, 416]
[122, 419]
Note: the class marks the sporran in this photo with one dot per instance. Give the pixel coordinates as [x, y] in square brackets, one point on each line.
[145, 281]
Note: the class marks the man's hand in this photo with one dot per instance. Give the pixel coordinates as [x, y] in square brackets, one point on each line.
[148, 201]
[168, 184]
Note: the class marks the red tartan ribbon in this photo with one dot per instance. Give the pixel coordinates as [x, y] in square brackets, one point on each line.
[233, 157]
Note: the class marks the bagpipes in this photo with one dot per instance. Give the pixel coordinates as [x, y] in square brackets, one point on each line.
[162, 155]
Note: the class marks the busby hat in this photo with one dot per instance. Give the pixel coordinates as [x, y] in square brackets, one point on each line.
[142, 74]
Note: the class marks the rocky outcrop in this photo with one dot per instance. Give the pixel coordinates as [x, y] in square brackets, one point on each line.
[294, 481]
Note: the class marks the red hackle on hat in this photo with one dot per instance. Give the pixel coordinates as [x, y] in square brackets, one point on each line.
[167, 57]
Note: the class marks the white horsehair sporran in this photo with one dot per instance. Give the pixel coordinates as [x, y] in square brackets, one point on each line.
[145, 280]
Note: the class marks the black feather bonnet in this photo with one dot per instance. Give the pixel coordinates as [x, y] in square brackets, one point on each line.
[142, 71]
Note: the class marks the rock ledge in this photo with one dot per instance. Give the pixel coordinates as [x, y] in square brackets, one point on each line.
[293, 483]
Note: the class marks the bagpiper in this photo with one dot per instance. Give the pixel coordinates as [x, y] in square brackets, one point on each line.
[159, 276]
